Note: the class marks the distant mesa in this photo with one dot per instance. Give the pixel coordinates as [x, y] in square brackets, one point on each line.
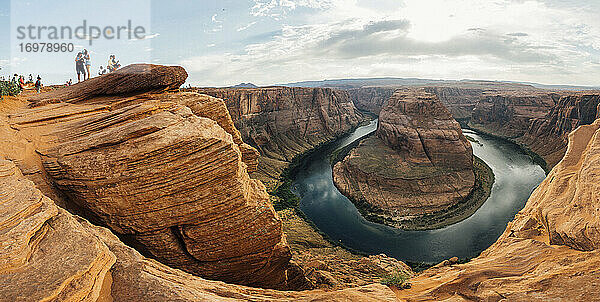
[244, 85]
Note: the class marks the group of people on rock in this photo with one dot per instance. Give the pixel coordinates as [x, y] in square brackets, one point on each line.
[19, 80]
[83, 64]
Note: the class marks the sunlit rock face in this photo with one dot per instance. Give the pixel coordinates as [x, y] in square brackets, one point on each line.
[47, 254]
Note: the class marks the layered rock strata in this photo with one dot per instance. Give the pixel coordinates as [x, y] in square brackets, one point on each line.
[170, 182]
[548, 135]
[511, 114]
[283, 122]
[460, 97]
[47, 254]
[44, 254]
[548, 252]
[417, 163]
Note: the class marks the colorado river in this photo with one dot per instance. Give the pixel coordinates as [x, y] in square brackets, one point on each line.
[516, 177]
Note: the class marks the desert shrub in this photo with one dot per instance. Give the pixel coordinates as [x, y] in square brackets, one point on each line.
[9, 88]
[395, 279]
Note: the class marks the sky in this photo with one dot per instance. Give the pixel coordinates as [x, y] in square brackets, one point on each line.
[222, 43]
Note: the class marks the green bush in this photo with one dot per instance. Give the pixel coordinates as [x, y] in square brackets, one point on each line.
[9, 88]
[396, 279]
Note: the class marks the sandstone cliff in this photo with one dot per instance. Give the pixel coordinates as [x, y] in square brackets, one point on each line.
[44, 254]
[168, 181]
[547, 135]
[283, 122]
[460, 97]
[47, 254]
[550, 250]
[418, 162]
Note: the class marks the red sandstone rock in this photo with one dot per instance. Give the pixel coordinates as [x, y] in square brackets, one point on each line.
[47, 254]
[130, 79]
[419, 162]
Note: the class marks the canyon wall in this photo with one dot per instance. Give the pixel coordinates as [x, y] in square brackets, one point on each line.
[370, 98]
[460, 97]
[460, 101]
[283, 122]
[548, 135]
[171, 183]
[417, 163]
[510, 114]
[548, 252]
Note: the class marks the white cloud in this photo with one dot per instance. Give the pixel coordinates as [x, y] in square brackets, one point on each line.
[278, 8]
[500, 40]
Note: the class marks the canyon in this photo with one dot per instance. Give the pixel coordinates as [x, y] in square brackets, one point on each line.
[50, 255]
[124, 188]
[417, 163]
[165, 171]
[174, 184]
[537, 119]
[283, 122]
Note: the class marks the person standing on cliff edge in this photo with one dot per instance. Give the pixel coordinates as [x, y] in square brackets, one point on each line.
[79, 66]
[88, 64]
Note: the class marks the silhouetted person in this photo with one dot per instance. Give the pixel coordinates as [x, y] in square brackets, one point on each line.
[80, 66]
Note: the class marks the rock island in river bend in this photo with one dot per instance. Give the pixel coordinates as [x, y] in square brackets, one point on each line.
[418, 163]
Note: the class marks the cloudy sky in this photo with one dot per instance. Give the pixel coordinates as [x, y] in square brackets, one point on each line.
[277, 41]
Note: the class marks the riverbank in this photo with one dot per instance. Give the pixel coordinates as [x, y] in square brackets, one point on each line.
[484, 180]
[329, 264]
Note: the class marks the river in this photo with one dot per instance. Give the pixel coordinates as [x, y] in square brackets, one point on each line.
[516, 178]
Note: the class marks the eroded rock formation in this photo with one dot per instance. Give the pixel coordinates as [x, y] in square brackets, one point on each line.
[550, 250]
[547, 135]
[170, 182]
[417, 163]
[44, 254]
[282, 122]
[47, 254]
